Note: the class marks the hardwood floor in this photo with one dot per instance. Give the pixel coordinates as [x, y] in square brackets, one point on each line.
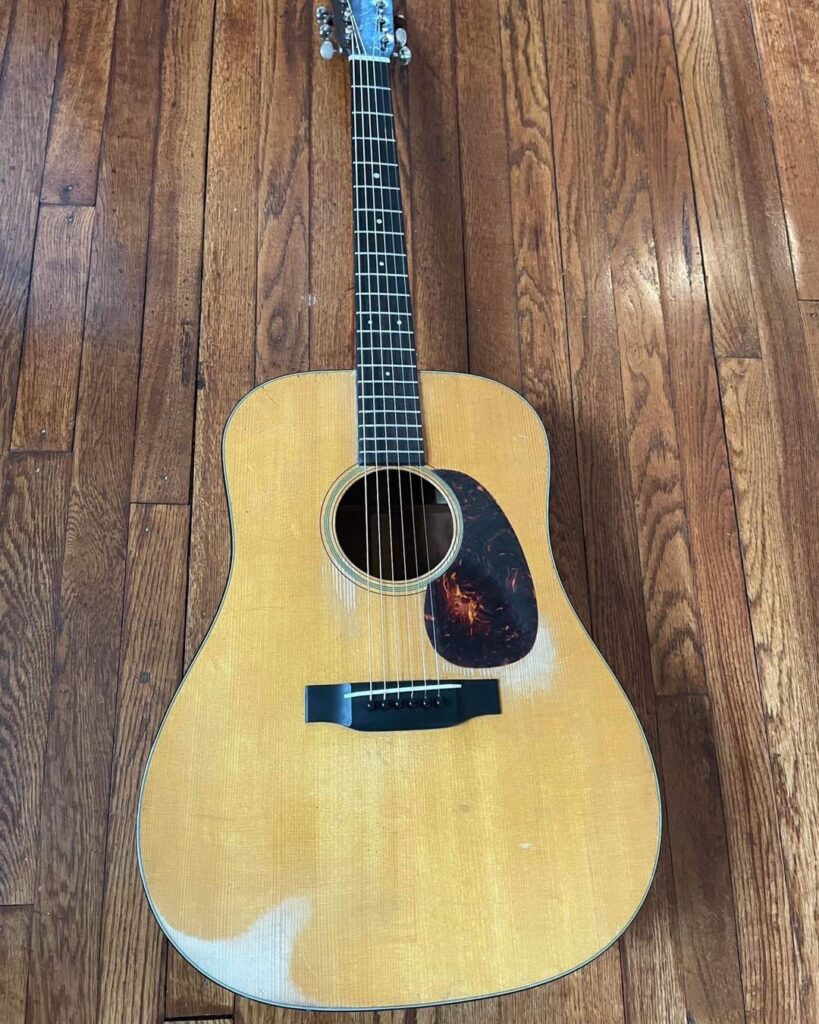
[612, 208]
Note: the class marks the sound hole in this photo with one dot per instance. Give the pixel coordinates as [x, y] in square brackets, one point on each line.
[394, 525]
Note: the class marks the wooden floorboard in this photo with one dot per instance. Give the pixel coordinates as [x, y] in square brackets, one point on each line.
[611, 209]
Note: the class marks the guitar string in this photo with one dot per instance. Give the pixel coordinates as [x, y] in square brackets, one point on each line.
[380, 204]
[366, 479]
[365, 190]
[383, 136]
[430, 588]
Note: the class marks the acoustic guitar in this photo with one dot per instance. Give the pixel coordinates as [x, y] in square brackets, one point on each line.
[397, 772]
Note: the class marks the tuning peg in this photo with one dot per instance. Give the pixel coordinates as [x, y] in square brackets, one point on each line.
[400, 37]
[405, 55]
[325, 30]
[327, 49]
[322, 14]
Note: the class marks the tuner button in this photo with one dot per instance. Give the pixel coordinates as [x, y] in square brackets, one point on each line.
[327, 50]
[405, 55]
[322, 14]
[401, 37]
[325, 30]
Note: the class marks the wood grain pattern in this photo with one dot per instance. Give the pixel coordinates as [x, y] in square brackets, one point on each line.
[324, 958]
[797, 156]
[722, 228]
[781, 598]
[761, 899]
[64, 978]
[170, 333]
[653, 449]
[615, 591]
[487, 218]
[34, 502]
[50, 368]
[283, 285]
[80, 93]
[705, 916]
[132, 948]
[226, 356]
[29, 66]
[15, 925]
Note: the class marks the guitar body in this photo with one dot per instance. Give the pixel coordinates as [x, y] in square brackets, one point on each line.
[309, 864]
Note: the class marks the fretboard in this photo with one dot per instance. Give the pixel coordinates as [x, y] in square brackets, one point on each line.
[389, 407]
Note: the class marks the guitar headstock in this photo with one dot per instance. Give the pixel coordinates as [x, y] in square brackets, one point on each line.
[364, 29]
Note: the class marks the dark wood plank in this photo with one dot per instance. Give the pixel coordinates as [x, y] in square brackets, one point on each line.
[72, 157]
[131, 973]
[25, 99]
[282, 317]
[797, 156]
[5, 18]
[47, 388]
[494, 350]
[781, 597]
[34, 503]
[651, 971]
[331, 304]
[539, 280]
[434, 189]
[15, 925]
[702, 874]
[226, 358]
[751, 818]
[64, 977]
[803, 23]
[716, 176]
[787, 359]
[170, 337]
[653, 448]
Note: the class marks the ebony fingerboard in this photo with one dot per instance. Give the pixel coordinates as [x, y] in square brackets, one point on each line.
[389, 407]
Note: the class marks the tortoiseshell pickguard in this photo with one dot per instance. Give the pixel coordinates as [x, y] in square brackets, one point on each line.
[482, 612]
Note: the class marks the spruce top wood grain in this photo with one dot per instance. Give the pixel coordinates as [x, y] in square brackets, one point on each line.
[398, 772]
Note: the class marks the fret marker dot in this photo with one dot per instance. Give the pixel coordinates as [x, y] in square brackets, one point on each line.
[381, 263]
[378, 220]
[388, 372]
[376, 174]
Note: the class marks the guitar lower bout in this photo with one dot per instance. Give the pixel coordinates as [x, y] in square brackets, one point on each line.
[500, 833]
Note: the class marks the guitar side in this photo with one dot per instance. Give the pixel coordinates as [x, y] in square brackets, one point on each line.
[309, 865]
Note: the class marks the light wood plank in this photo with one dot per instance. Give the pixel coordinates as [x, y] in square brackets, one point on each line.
[651, 970]
[81, 89]
[170, 338]
[781, 597]
[64, 977]
[751, 818]
[34, 503]
[25, 100]
[283, 286]
[47, 388]
[702, 874]
[720, 213]
[797, 156]
[227, 358]
[15, 925]
[653, 448]
[131, 974]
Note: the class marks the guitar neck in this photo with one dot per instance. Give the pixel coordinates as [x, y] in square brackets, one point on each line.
[389, 410]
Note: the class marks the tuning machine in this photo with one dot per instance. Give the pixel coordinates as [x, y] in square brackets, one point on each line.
[402, 52]
[328, 48]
